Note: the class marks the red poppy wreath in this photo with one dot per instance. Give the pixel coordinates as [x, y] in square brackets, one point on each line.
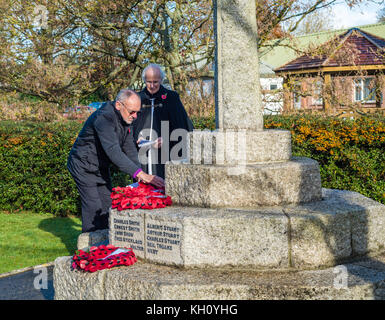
[103, 257]
[142, 197]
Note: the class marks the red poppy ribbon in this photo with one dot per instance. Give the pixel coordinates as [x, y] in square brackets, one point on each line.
[142, 197]
[98, 258]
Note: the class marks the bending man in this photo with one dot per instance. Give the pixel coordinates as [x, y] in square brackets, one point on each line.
[106, 138]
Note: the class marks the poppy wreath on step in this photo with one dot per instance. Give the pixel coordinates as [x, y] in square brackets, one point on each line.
[142, 197]
[97, 258]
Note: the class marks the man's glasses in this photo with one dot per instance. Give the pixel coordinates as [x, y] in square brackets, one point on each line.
[129, 111]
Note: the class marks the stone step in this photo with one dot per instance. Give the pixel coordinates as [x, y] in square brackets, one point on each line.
[318, 234]
[231, 147]
[364, 279]
[268, 184]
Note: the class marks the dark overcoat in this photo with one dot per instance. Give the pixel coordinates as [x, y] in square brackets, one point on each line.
[105, 139]
[169, 110]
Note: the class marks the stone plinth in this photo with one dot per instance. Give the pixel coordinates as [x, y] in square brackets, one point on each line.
[276, 183]
[321, 233]
[231, 147]
[89, 239]
[224, 253]
[143, 281]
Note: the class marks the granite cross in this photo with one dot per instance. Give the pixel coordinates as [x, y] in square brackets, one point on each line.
[237, 87]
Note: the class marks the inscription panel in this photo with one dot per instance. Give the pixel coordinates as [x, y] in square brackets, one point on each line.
[148, 235]
[128, 231]
[163, 241]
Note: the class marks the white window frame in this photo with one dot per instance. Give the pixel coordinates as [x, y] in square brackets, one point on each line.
[361, 84]
[317, 90]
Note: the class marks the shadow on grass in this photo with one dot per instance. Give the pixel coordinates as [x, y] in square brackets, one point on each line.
[66, 229]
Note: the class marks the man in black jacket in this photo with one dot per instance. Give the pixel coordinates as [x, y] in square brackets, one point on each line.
[106, 138]
[163, 115]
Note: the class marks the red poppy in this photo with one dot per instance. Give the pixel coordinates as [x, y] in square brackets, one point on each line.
[96, 260]
[143, 197]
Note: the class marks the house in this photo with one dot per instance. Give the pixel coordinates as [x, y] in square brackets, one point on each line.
[344, 73]
[271, 89]
[337, 72]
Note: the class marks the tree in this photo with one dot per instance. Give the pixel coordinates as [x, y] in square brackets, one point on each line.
[175, 34]
[283, 19]
[92, 45]
[89, 46]
[317, 21]
[41, 60]
[381, 15]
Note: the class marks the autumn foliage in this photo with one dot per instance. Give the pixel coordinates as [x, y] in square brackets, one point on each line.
[350, 152]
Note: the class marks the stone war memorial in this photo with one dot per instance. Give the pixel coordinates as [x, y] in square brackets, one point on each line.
[248, 220]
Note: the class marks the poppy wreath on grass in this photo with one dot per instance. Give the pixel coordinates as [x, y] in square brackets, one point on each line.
[97, 258]
[142, 197]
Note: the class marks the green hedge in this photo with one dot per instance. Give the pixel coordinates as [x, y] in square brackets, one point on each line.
[34, 175]
[351, 153]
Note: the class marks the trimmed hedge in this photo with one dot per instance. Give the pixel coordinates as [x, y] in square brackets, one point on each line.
[34, 175]
[351, 153]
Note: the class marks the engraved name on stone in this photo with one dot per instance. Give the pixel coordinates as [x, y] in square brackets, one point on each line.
[163, 241]
[130, 232]
[161, 237]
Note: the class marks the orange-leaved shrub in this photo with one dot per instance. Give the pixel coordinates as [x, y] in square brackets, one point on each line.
[350, 151]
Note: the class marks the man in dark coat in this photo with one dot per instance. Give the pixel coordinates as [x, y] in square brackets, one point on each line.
[106, 138]
[163, 112]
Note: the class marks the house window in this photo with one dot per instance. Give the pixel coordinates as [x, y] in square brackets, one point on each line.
[317, 93]
[297, 101]
[297, 88]
[273, 86]
[364, 90]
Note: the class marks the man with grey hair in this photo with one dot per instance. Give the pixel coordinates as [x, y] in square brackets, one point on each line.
[106, 138]
[163, 116]
[153, 86]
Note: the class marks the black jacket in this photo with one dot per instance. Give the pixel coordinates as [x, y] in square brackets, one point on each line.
[104, 139]
[169, 108]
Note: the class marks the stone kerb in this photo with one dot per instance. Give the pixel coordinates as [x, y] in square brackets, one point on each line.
[322, 233]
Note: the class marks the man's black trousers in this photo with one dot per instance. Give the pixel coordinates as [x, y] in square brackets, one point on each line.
[96, 202]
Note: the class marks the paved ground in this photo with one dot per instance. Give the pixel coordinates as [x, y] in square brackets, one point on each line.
[32, 284]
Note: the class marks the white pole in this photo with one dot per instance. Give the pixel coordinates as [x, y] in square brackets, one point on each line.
[150, 151]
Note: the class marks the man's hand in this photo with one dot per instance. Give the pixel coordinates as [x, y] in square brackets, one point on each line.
[156, 145]
[151, 179]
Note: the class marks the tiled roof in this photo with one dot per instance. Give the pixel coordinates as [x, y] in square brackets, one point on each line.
[354, 47]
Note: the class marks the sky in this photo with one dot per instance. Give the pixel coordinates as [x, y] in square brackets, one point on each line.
[366, 13]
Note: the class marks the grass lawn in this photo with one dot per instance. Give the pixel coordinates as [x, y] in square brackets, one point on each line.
[29, 239]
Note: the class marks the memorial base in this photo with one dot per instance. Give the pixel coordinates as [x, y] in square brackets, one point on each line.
[322, 233]
[363, 279]
[328, 249]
